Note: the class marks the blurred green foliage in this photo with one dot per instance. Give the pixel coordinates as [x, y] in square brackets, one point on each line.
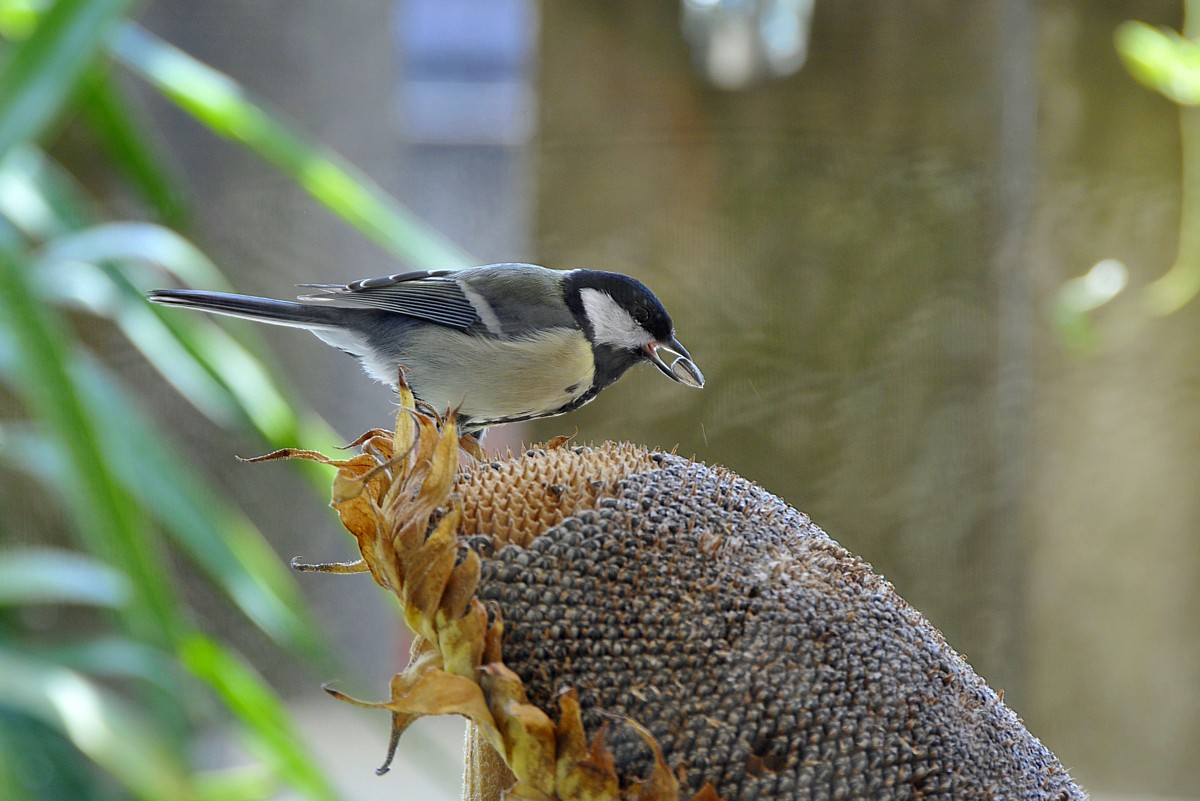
[109, 710]
[1164, 60]
[1168, 62]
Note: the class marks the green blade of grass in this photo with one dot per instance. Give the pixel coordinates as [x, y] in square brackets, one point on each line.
[19, 18]
[53, 575]
[271, 732]
[1161, 59]
[39, 763]
[116, 657]
[23, 201]
[108, 521]
[126, 138]
[81, 268]
[96, 268]
[114, 736]
[243, 783]
[44, 203]
[216, 536]
[220, 103]
[41, 72]
[48, 204]
[219, 374]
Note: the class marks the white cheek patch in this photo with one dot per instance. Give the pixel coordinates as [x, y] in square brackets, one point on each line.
[611, 324]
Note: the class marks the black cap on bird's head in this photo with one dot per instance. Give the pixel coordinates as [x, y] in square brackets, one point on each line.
[626, 324]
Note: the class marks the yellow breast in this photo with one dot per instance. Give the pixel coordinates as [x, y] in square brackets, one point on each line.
[500, 379]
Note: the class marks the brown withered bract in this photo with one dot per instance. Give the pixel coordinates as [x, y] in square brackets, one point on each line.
[619, 623]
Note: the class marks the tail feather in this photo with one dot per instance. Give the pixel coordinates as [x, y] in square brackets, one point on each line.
[264, 310]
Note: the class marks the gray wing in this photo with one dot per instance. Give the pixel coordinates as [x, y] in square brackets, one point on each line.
[432, 295]
[521, 299]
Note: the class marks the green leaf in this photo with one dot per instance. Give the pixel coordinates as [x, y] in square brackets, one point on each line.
[244, 783]
[1162, 60]
[220, 375]
[212, 370]
[31, 197]
[52, 575]
[118, 658]
[144, 243]
[38, 763]
[74, 269]
[218, 537]
[114, 736]
[126, 138]
[107, 520]
[221, 104]
[270, 730]
[42, 72]
[18, 18]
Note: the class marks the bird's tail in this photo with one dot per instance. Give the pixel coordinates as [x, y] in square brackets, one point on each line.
[263, 310]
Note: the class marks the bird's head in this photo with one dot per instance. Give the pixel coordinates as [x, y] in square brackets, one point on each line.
[627, 324]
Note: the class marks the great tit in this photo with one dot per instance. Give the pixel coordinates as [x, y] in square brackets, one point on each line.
[501, 342]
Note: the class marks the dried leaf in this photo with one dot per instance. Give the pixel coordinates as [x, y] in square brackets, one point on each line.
[461, 641]
[707, 793]
[581, 773]
[471, 446]
[554, 443]
[381, 434]
[661, 784]
[527, 731]
[461, 587]
[288, 453]
[358, 566]
[424, 582]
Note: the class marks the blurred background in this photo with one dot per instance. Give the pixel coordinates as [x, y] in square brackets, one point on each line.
[938, 262]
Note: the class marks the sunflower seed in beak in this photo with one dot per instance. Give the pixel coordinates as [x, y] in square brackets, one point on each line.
[685, 371]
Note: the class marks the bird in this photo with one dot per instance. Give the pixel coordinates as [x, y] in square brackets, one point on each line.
[499, 343]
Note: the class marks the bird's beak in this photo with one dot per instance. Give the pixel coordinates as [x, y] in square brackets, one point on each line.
[683, 369]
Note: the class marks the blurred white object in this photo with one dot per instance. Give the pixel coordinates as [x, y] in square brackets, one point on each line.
[466, 71]
[737, 43]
